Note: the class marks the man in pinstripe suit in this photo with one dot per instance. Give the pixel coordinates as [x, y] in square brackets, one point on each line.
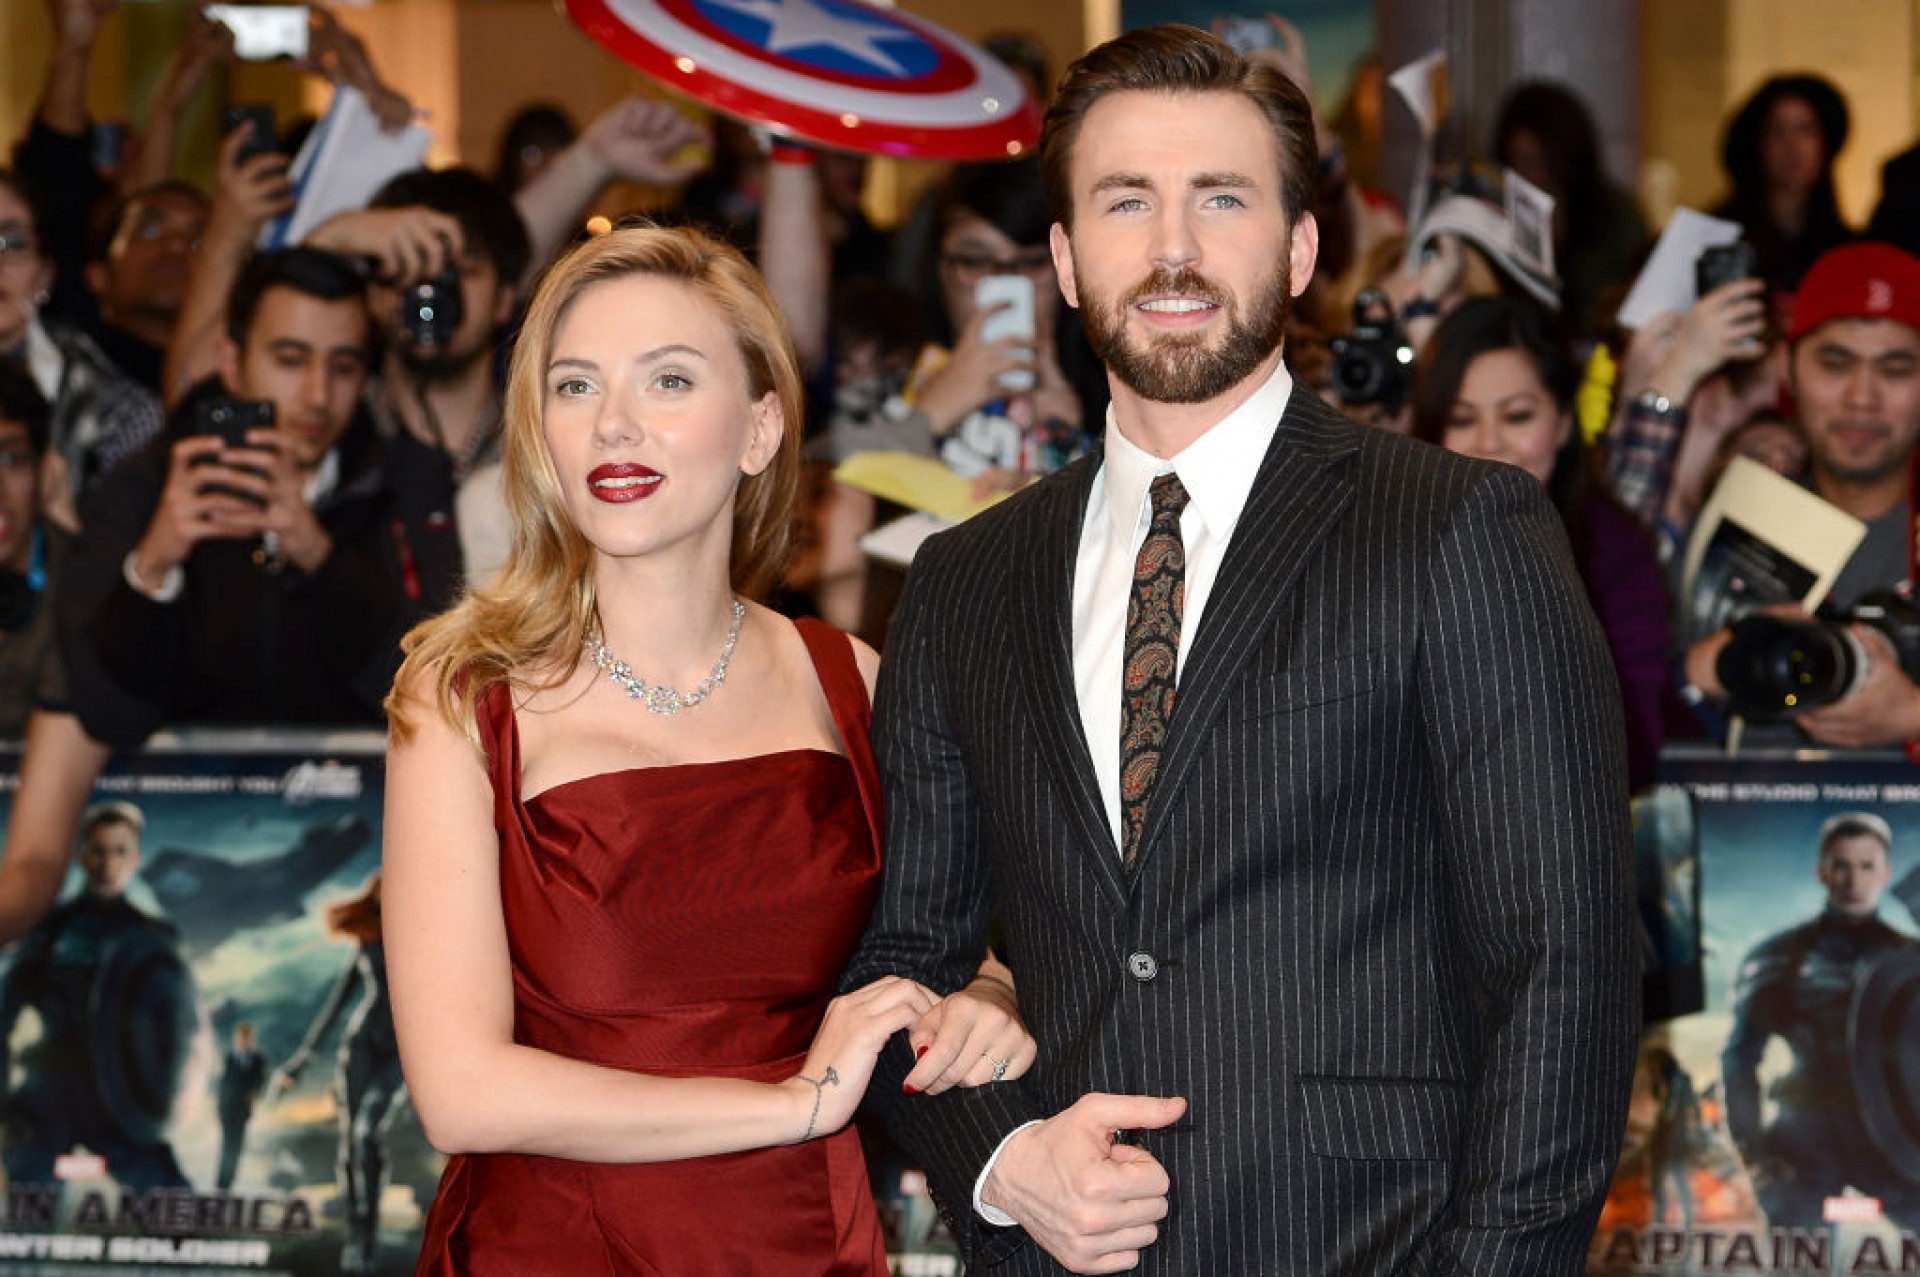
[1326, 943]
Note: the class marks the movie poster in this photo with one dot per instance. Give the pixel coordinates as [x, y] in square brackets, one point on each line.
[200, 1066]
[1777, 1130]
[196, 1048]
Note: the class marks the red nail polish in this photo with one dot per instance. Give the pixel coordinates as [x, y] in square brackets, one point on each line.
[909, 1088]
[919, 1051]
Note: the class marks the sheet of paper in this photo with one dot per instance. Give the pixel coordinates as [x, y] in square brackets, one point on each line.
[346, 159]
[1423, 84]
[897, 542]
[1666, 282]
[1530, 213]
[919, 483]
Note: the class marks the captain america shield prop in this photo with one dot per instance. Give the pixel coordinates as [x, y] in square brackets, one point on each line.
[832, 72]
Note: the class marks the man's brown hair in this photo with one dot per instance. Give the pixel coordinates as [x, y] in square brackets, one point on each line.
[1173, 58]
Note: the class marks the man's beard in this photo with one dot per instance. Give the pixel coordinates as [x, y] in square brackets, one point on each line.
[1185, 367]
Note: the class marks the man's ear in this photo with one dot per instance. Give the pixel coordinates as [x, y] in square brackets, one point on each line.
[229, 354]
[1303, 250]
[769, 427]
[1062, 249]
[503, 307]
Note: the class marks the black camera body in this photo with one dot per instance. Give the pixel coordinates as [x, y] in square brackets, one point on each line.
[1371, 364]
[1774, 667]
[431, 309]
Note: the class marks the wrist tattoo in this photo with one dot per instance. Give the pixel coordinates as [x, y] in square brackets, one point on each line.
[830, 1078]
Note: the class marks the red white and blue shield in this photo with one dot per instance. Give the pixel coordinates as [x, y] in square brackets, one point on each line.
[832, 72]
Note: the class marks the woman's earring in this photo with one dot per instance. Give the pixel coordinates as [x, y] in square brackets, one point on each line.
[41, 298]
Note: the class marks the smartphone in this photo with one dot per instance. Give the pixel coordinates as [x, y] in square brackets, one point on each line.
[1722, 264]
[1014, 295]
[261, 138]
[228, 419]
[262, 32]
[1245, 34]
[109, 141]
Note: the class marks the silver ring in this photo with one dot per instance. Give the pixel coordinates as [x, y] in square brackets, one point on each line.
[999, 1066]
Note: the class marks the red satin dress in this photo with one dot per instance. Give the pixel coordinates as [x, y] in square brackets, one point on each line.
[685, 920]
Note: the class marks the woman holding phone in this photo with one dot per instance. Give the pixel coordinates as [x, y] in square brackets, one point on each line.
[631, 830]
[1006, 386]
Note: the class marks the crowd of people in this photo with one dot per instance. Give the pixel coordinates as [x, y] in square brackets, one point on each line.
[232, 480]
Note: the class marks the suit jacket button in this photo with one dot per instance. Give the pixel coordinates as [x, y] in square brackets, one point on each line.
[1141, 966]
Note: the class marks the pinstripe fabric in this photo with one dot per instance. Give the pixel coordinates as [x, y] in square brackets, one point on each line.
[1382, 878]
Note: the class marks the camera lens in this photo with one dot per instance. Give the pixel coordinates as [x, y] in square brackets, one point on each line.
[1773, 667]
[1357, 373]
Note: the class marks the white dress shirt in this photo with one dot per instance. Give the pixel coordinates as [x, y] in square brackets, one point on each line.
[1217, 470]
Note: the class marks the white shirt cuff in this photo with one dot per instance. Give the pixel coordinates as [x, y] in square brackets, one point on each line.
[993, 1214]
[170, 585]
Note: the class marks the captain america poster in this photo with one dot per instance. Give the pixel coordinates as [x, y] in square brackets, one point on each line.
[196, 1050]
[200, 1069]
[1777, 1130]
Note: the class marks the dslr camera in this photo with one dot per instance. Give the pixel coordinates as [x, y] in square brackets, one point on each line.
[1371, 364]
[1774, 667]
[431, 309]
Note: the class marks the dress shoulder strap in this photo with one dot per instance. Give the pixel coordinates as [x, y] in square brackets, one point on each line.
[846, 692]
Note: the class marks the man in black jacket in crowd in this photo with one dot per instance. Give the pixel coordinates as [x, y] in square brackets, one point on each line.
[264, 577]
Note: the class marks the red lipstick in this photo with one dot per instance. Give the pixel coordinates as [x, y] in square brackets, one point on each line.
[621, 482]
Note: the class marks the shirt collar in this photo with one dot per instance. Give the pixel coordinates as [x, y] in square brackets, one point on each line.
[1217, 469]
[326, 477]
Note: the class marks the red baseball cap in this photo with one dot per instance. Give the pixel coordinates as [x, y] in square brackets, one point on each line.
[1866, 280]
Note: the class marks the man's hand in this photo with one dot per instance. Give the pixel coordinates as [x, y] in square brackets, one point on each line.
[1287, 55]
[1884, 711]
[76, 23]
[205, 45]
[341, 56]
[1727, 324]
[266, 470]
[190, 511]
[1088, 1200]
[247, 193]
[637, 139]
[406, 243]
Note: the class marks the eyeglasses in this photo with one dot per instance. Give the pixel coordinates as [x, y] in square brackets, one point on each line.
[971, 267]
[17, 246]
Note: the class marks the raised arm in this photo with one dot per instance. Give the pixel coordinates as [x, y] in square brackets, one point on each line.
[636, 139]
[151, 154]
[245, 195]
[475, 1088]
[795, 257]
[57, 773]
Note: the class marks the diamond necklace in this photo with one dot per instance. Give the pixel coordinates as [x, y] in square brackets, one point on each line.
[660, 698]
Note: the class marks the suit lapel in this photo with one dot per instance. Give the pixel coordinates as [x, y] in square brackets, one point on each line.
[1297, 498]
[1043, 629]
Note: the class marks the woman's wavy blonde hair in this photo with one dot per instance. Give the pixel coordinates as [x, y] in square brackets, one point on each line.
[528, 624]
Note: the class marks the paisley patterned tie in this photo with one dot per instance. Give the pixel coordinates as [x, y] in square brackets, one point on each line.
[1152, 653]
